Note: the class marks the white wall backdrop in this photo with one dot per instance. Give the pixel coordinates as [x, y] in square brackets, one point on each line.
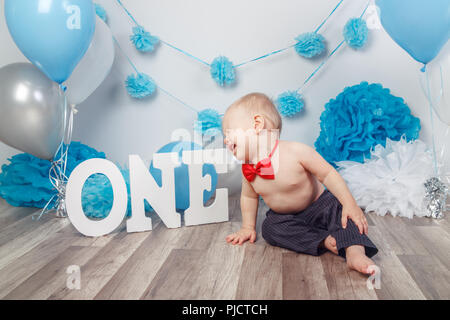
[113, 122]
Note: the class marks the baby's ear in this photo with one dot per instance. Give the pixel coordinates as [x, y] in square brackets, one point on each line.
[258, 123]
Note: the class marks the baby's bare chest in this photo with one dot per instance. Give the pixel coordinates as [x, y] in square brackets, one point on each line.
[288, 178]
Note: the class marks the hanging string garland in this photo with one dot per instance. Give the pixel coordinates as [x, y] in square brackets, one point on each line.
[222, 70]
[101, 12]
[355, 33]
[143, 40]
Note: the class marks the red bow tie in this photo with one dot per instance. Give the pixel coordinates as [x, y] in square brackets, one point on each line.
[263, 168]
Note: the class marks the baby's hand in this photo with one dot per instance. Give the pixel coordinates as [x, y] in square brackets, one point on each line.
[242, 235]
[357, 216]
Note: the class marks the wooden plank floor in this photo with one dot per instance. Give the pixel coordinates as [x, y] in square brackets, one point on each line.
[196, 263]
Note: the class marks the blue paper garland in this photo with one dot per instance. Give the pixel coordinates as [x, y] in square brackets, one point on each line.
[222, 71]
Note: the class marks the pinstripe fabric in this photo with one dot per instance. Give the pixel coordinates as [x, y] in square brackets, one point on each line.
[305, 230]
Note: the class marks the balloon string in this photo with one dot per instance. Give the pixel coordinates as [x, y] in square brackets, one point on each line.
[445, 174]
[57, 173]
[430, 104]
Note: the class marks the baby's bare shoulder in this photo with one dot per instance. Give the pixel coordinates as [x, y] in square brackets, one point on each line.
[294, 146]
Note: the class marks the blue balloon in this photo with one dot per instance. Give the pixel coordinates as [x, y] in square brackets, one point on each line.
[182, 174]
[420, 27]
[53, 34]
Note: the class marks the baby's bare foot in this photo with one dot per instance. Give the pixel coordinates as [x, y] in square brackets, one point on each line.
[357, 259]
[330, 244]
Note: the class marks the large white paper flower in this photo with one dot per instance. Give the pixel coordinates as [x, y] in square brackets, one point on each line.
[392, 180]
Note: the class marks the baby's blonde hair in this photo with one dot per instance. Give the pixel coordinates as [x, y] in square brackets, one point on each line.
[258, 103]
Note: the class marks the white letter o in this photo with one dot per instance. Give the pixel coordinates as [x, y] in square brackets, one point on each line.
[74, 190]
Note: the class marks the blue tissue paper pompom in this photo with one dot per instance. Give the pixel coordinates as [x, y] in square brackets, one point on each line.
[222, 71]
[355, 33]
[143, 40]
[101, 12]
[361, 117]
[289, 103]
[140, 86]
[310, 44]
[209, 122]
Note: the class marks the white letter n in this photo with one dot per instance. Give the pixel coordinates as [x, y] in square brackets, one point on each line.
[144, 187]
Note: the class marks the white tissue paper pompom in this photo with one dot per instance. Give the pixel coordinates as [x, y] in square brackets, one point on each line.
[392, 180]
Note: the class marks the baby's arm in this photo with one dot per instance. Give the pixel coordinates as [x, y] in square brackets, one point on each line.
[312, 161]
[249, 209]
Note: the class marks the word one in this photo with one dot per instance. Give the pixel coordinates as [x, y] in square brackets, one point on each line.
[144, 187]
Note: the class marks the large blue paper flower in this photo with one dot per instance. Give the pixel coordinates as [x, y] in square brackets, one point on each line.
[24, 182]
[361, 117]
[222, 71]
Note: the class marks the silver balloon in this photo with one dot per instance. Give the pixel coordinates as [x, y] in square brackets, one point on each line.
[32, 110]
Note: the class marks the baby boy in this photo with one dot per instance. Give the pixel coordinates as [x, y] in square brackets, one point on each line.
[291, 177]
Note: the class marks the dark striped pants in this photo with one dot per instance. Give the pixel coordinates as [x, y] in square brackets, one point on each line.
[304, 231]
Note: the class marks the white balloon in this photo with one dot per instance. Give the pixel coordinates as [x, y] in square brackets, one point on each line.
[94, 67]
